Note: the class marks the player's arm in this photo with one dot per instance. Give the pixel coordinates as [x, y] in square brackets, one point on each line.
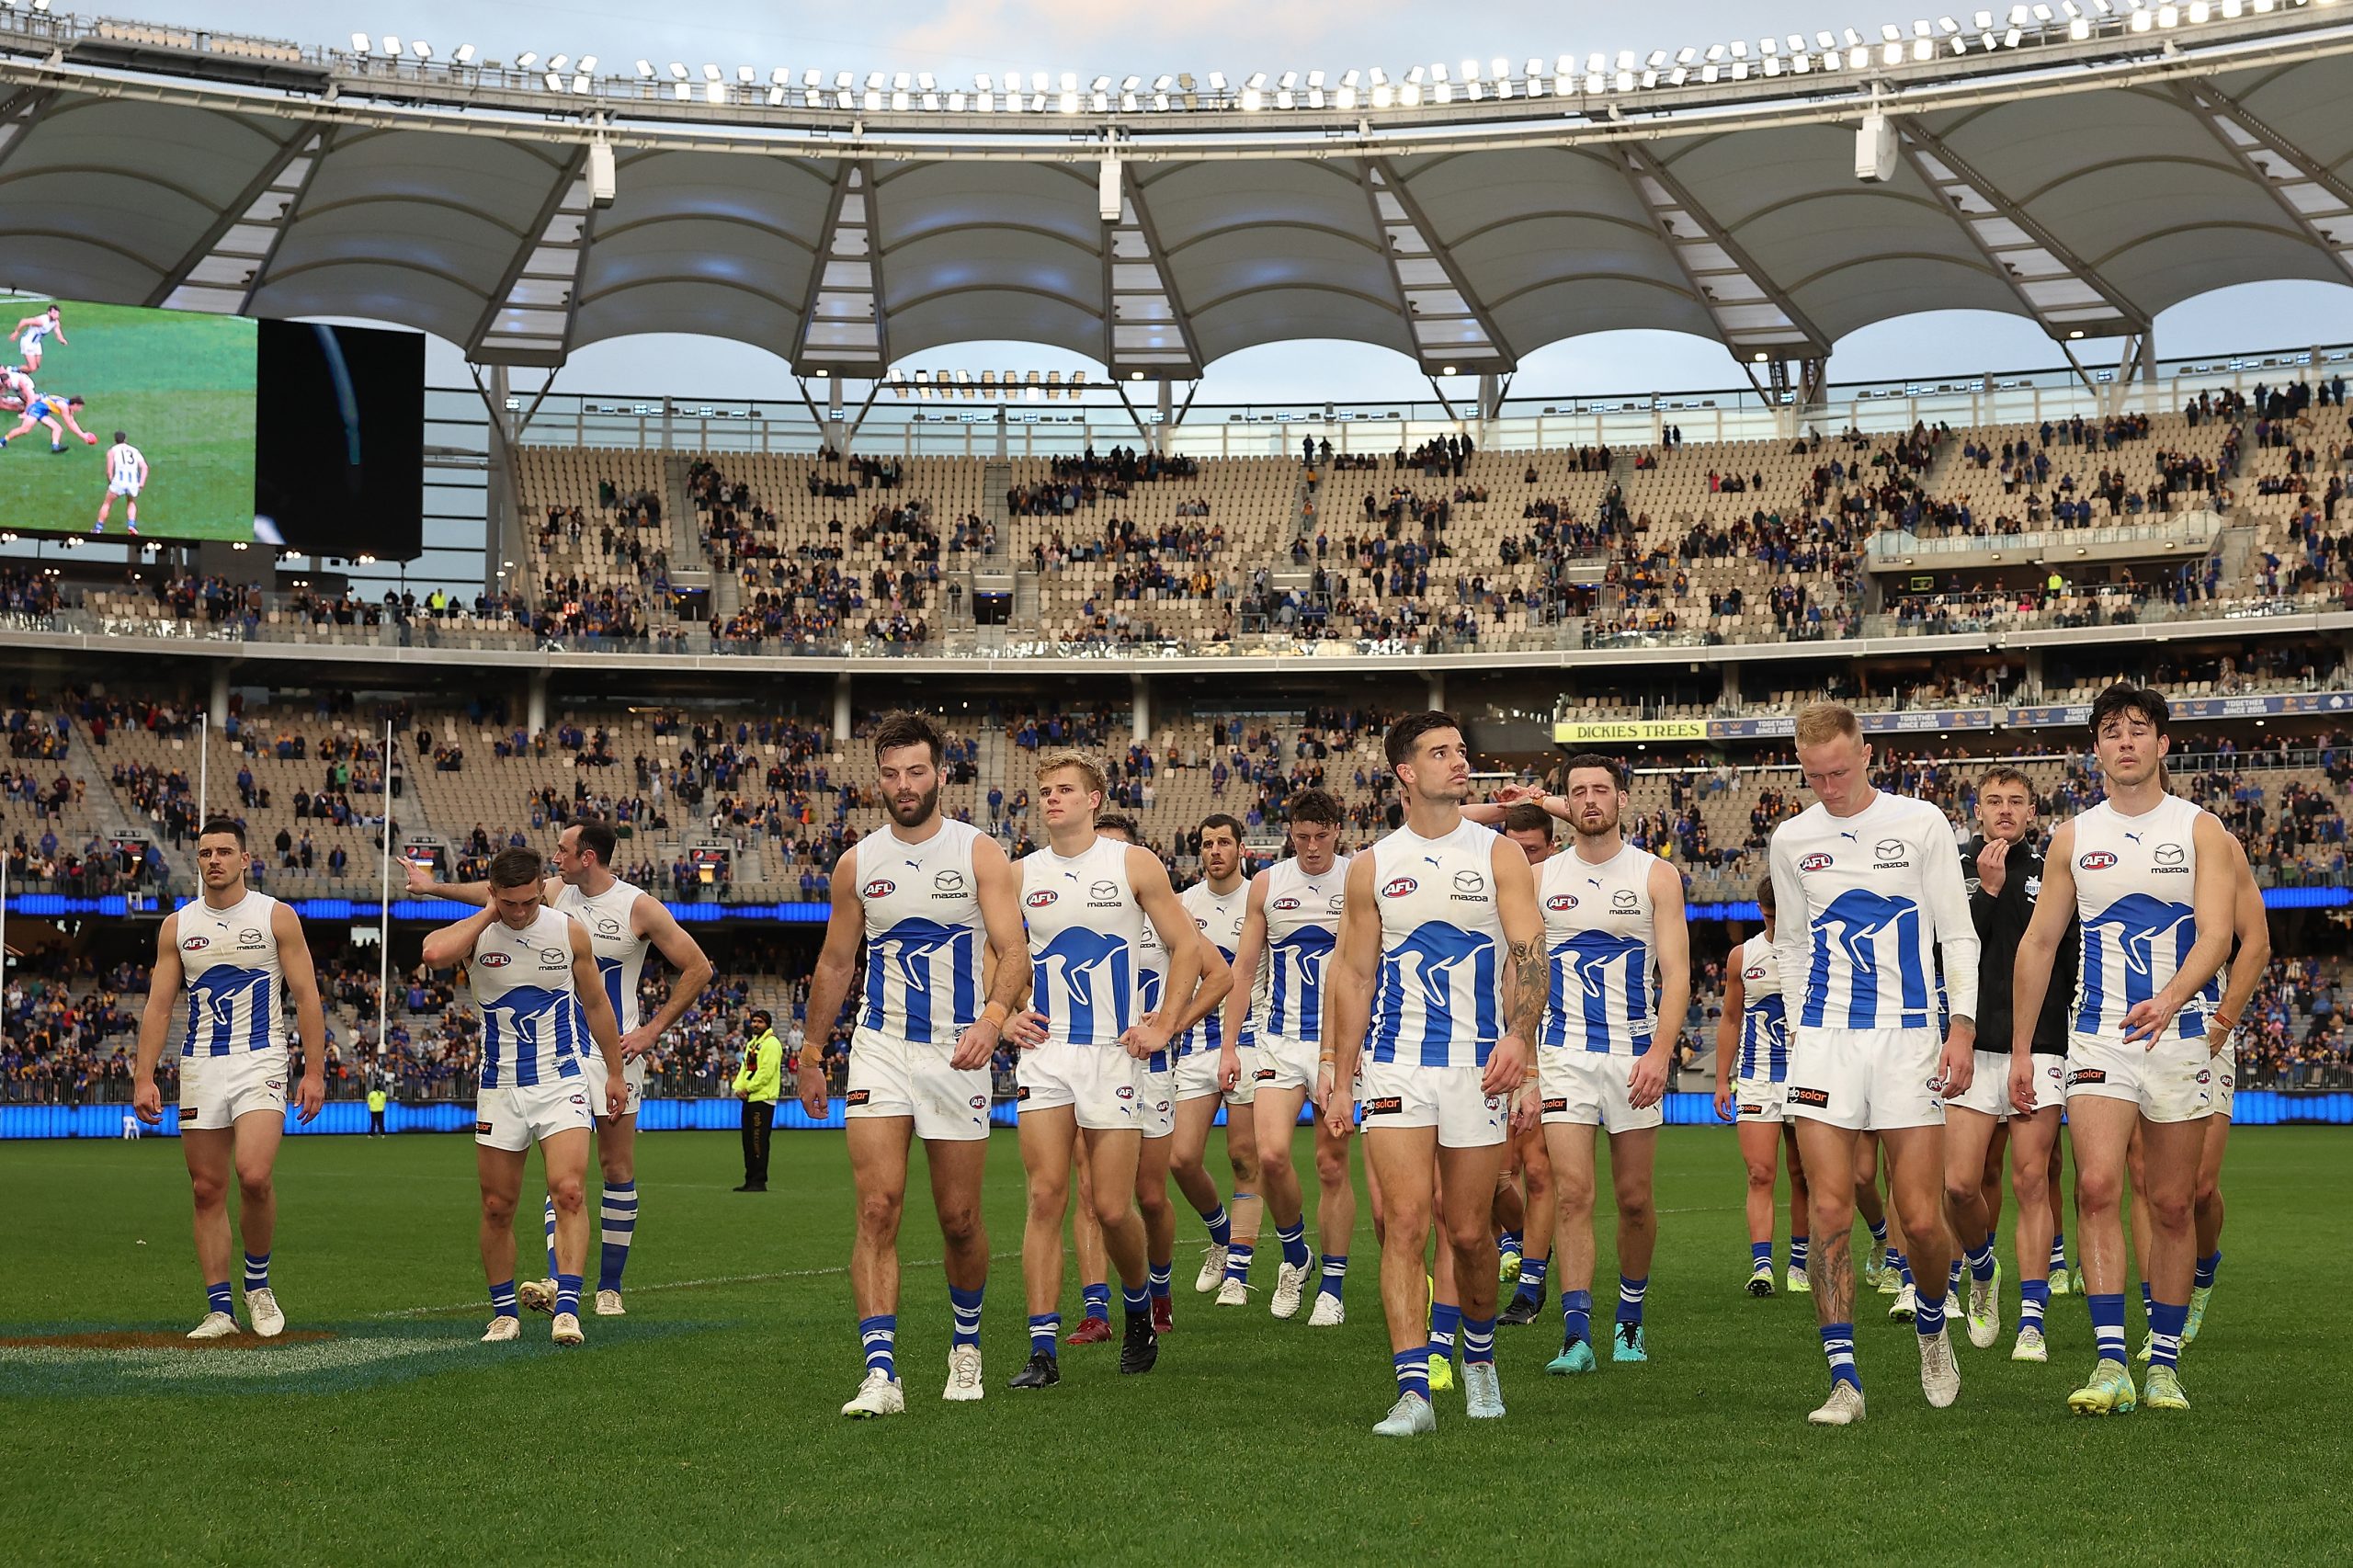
[2215, 899]
[1249, 947]
[1486, 813]
[310, 1014]
[455, 942]
[2038, 949]
[651, 919]
[1793, 922]
[1728, 1032]
[64, 411]
[1511, 1069]
[603, 1027]
[1216, 981]
[1954, 931]
[1178, 935]
[1671, 936]
[998, 892]
[1348, 993]
[155, 1020]
[2253, 928]
[829, 983]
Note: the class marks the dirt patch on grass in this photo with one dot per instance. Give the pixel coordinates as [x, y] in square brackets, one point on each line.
[148, 1340]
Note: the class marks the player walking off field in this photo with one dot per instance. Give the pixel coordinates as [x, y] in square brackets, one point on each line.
[1752, 1082]
[1440, 933]
[1219, 904]
[1870, 898]
[533, 975]
[239, 955]
[927, 895]
[2152, 879]
[623, 921]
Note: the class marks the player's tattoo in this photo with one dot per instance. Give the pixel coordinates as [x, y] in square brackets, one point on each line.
[1530, 982]
[1833, 1273]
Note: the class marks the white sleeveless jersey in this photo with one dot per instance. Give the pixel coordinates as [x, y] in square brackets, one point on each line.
[620, 953]
[1604, 956]
[1152, 979]
[236, 987]
[1439, 1001]
[1220, 919]
[125, 464]
[1763, 1032]
[1303, 916]
[1867, 904]
[2135, 878]
[532, 1029]
[33, 335]
[924, 934]
[1085, 928]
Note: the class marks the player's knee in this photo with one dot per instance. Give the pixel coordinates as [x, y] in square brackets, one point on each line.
[2171, 1211]
[877, 1212]
[1961, 1192]
[1635, 1208]
[1760, 1172]
[1574, 1195]
[1332, 1164]
[1112, 1208]
[2208, 1199]
[959, 1226]
[255, 1186]
[498, 1209]
[1244, 1161]
[1047, 1202]
[2098, 1192]
[569, 1192]
[210, 1190]
[1470, 1236]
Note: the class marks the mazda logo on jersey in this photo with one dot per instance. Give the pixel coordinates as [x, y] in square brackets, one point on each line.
[1561, 900]
[1104, 891]
[878, 888]
[496, 960]
[249, 937]
[553, 957]
[1623, 898]
[607, 927]
[1888, 849]
[948, 881]
[1398, 887]
[1331, 904]
[2168, 855]
[1470, 881]
[1041, 898]
[1285, 904]
[2097, 860]
[194, 944]
[1817, 861]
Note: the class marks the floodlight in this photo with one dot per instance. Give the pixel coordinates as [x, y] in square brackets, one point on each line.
[359, 43]
[420, 48]
[465, 55]
[526, 60]
[709, 72]
[558, 63]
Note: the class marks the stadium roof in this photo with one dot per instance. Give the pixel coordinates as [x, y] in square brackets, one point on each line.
[2086, 171]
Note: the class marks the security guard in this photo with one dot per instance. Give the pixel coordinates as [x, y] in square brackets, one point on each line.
[376, 1101]
[757, 1080]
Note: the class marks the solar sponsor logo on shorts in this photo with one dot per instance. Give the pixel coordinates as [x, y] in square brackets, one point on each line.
[1817, 861]
[2086, 1076]
[1818, 1098]
[480, 1127]
[1558, 1102]
[1263, 1074]
[1752, 1110]
[1387, 1105]
[1022, 1093]
[859, 1097]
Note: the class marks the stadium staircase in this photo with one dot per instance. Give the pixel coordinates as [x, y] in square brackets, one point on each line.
[1308, 507]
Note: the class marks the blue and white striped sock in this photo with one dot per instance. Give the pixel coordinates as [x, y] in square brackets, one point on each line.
[2148, 1301]
[1903, 1269]
[1095, 1302]
[501, 1300]
[1220, 1227]
[2107, 1326]
[1294, 1240]
[1531, 1276]
[220, 1298]
[1981, 1263]
[1629, 1298]
[2165, 1321]
[1952, 1278]
[1136, 1299]
[880, 1336]
[1156, 1278]
[1928, 1318]
[2034, 1297]
[1045, 1333]
[1838, 1346]
[567, 1294]
[1237, 1261]
[1507, 1241]
[1444, 1321]
[618, 1214]
[1334, 1275]
[1478, 1341]
[2058, 1250]
[1413, 1369]
[1879, 1239]
[964, 1310]
[2208, 1267]
[1797, 1253]
[256, 1272]
[1760, 1255]
[1577, 1315]
[548, 1213]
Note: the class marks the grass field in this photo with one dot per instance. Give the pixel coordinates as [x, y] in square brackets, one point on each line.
[704, 1427]
[180, 385]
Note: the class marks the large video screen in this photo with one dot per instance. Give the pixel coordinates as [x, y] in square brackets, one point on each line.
[114, 409]
[183, 427]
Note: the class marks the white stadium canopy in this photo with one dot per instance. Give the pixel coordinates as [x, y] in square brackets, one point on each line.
[2085, 166]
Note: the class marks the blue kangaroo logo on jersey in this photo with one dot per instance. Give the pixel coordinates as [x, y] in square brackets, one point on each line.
[1431, 955]
[1594, 956]
[214, 994]
[912, 943]
[1094, 974]
[527, 1007]
[1856, 915]
[2139, 921]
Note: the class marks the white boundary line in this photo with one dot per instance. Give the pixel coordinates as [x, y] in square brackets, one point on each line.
[716, 1280]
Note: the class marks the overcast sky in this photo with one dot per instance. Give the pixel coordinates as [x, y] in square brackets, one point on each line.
[956, 40]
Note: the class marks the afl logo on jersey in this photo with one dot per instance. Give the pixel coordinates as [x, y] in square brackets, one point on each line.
[2097, 860]
[1817, 861]
[496, 960]
[948, 881]
[1398, 887]
[194, 944]
[878, 888]
[1754, 971]
[1470, 881]
[1041, 898]
[1561, 900]
[2168, 855]
[1285, 904]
